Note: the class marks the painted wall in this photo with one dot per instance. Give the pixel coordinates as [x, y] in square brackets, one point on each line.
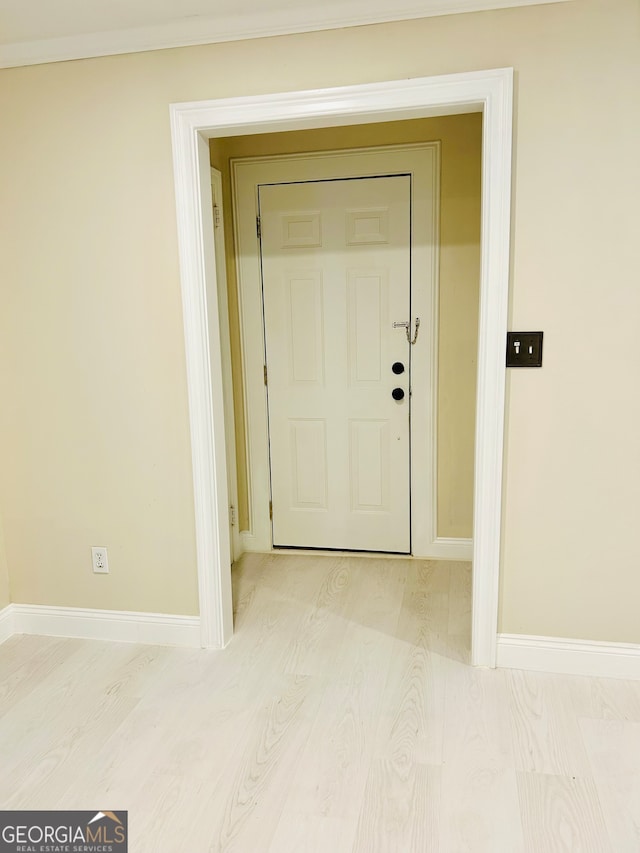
[94, 442]
[461, 144]
[94, 424]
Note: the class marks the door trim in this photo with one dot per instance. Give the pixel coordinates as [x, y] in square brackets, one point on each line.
[192, 125]
[225, 349]
[422, 161]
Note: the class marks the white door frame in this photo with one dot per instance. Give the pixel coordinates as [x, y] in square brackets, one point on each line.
[221, 297]
[192, 125]
[422, 161]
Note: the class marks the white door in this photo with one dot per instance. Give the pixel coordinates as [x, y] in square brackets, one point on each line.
[336, 269]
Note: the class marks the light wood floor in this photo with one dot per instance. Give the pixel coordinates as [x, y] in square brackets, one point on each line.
[343, 717]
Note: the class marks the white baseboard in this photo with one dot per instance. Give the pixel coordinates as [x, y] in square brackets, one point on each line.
[6, 623]
[250, 542]
[572, 657]
[117, 625]
[447, 548]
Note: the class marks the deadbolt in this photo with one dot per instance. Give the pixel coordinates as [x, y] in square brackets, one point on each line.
[397, 367]
[397, 394]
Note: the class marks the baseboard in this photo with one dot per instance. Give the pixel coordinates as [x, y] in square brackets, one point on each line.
[448, 548]
[6, 623]
[116, 625]
[572, 657]
[251, 543]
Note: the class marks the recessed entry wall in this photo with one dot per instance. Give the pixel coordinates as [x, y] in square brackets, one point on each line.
[461, 139]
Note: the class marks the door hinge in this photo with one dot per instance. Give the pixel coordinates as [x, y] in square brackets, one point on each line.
[258, 227]
[232, 515]
[217, 216]
[271, 510]
[265, 374]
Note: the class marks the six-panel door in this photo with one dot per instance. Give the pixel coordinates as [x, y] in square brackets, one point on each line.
[336, 265]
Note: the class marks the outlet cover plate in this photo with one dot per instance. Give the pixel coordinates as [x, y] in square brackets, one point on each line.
[100, 561]
[524, 349]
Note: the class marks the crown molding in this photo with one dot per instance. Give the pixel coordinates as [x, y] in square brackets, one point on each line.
[197, 31]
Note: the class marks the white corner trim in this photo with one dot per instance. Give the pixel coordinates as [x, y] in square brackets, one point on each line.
[450, 548]
[572, 657]
[116, 625]
[6, 623]
[203, 351]
[489, 91]
[195, 30]
[497, 130]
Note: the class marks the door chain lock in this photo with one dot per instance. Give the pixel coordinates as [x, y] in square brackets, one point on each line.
[406, 325]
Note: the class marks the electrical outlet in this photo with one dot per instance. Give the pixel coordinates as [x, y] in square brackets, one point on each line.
[100, 561]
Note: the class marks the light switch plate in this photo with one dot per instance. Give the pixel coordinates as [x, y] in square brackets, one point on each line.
[524, 349]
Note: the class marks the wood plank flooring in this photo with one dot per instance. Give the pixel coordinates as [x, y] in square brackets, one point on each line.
[343, 718]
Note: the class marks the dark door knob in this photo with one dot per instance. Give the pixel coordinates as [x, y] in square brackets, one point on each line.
[397, 367]
[397, 394]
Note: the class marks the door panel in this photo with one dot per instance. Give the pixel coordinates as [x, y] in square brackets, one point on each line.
[367, 292]
[369, 465]
[308, 465]
[336, 275]
[305, 326]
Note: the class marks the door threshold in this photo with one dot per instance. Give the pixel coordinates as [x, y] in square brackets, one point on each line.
[337, 552]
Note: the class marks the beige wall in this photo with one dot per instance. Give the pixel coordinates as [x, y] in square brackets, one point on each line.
[461, 143]
[94, 445]
[94, 426]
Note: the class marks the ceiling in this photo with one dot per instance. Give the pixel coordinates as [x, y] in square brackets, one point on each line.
[36, 31]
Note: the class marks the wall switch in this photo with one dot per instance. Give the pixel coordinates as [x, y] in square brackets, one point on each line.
[524, 349]
[100, 561]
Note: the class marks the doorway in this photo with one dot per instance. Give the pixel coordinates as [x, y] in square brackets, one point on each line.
[192, 125]
[250, 171]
